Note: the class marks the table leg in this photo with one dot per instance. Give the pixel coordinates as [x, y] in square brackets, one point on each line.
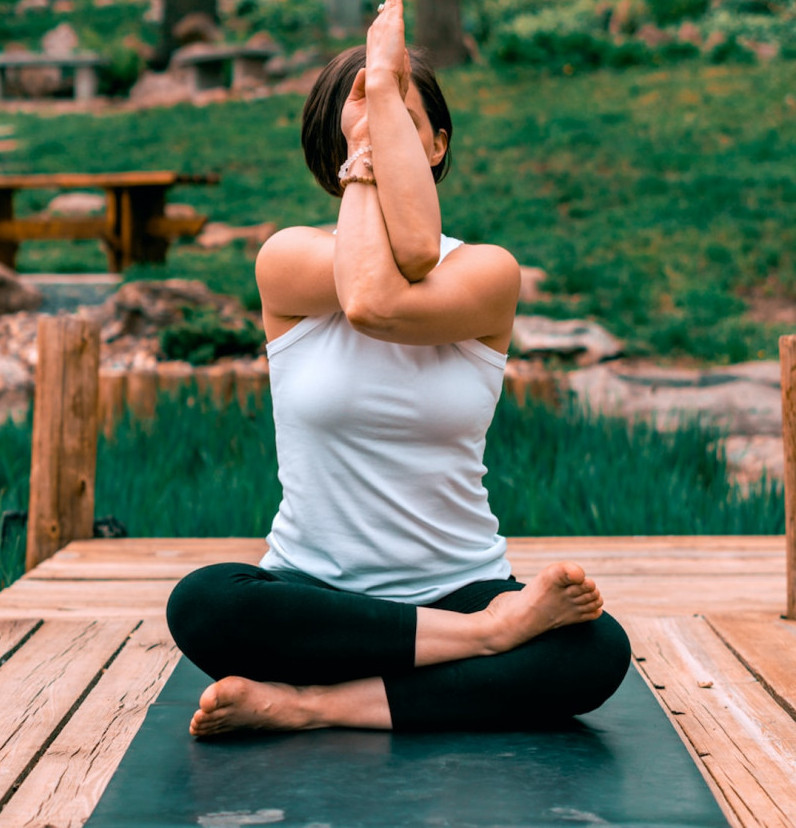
[148, 203]
[112, 237]
[85, 83]
[126, 219]
[8, 247]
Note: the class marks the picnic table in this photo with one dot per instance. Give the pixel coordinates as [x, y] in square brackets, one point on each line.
[134, 226]
[83, 65]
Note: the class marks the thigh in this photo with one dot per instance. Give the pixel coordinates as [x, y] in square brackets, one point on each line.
[239, 619]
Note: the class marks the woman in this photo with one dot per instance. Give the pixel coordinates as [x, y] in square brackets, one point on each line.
[385, 599]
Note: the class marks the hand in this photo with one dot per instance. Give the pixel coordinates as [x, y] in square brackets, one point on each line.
[386, 48]
[354, 118]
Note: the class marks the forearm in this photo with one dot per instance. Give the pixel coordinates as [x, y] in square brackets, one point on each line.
[406, 190]
[367, 278]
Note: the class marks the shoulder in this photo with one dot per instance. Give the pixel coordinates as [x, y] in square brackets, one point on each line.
[488, 262]
[290, 245]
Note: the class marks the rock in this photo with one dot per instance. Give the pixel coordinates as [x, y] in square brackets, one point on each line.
[762, 51]
[181, 211]
[161, 89]
[653, 36]
[141, 309]
[713, 40]
[197, 27]
[217, 234]
[62, 40]
[750, 457]
[14, 295]
[63, 6]
[31, 5]
[302, 85]
[530, 279]
[689, 33]
[76, 204]
[573, 339]
[154, 14]
[741, 400]
[530, 379]
[16, 388]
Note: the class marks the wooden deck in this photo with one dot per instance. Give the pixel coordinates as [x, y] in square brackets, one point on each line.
[84, 650]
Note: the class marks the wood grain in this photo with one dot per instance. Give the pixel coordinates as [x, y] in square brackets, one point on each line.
[64, 444]
[68, 780]
[787, 362]
[12, 631]
[44, 680]
[745, 740]
[766, 645]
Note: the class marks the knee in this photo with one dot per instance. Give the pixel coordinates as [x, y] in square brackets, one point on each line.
[196, 602]
[606, 665]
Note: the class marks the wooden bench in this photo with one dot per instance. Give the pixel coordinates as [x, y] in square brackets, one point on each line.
[82, 65]
[207, 69]
[134, 226]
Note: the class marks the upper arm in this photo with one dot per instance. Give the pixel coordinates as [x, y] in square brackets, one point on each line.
[295, 274]
[472, 294]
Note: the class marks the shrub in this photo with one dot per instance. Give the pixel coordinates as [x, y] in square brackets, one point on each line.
[666, 12]
[202, 337]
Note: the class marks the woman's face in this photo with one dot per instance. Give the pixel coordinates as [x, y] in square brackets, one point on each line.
[434, 144]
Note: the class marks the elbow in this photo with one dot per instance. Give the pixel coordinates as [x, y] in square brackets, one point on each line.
[365, 317]
[417, 263]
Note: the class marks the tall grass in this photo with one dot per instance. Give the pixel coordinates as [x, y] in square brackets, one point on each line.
[196, 470]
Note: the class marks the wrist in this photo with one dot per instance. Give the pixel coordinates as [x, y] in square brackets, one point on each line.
[381, 80]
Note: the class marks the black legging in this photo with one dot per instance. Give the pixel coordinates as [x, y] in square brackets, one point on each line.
[239, 619]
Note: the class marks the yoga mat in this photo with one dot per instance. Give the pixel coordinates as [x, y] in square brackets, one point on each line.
[622, 765]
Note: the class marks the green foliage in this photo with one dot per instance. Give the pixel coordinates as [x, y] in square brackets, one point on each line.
[197, 471]
[202, 337]
[666, 12]
[294, 23]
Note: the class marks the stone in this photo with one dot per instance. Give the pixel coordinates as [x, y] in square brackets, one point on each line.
[16, 388]
[576, 340]
[141, 309]
[741, 399]
[181, 211]
[14, 295]
[530, 279]
[31, 5]
[76, 204]
[653, 36]
[160, 89]
[689, 33]
[217, 234]
[713, 40]
[62, 40]
[154, 14]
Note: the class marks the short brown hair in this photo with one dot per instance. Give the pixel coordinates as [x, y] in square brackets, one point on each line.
[323, 141]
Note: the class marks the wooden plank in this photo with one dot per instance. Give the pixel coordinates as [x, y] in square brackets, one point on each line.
[54, 181]
[64, 444]
[766, 644]
[67, 782]
[154, 559]
[43, 681]
[745, 740]
[14, 631]
[85, 599]
[787, 359]
[25, 229]
[168, 227]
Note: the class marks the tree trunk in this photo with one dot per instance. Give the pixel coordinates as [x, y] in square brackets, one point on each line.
[438, 30]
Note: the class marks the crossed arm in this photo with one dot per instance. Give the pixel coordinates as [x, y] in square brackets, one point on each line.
[381, 266]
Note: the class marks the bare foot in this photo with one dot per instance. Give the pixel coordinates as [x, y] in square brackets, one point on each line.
[236, 703]
[560, 594]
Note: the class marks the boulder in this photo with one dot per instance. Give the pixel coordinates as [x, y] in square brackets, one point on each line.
[16, 387]
[217, 234]
[653, 36]
[62, 40]
[161, 89]
[530, 279]
[197, 27]
[740, 399]
[14, 295]
[689, 33]
[141, 309]
[583, 342]
[76, 204]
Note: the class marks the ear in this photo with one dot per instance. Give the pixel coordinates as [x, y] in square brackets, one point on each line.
[440, 147]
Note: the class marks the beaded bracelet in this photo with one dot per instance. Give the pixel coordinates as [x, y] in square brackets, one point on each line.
[357, 179]
[348, 163]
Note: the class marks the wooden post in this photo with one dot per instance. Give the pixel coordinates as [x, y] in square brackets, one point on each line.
[787, 362]
[64, 449]
[142, 392]
[112, 398]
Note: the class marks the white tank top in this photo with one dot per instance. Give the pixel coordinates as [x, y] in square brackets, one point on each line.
[380, 449]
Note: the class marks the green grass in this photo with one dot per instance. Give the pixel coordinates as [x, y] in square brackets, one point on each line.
[659, 201]
[572, 473]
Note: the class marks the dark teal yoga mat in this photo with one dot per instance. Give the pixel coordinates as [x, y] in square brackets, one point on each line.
[622, 765]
